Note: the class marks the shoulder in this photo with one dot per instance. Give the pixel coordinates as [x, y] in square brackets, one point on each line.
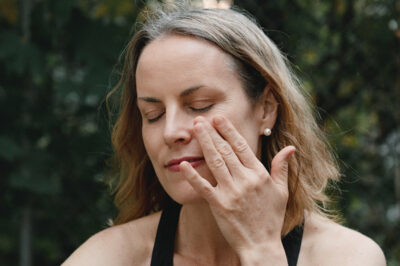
[330, 243]
[127, 244]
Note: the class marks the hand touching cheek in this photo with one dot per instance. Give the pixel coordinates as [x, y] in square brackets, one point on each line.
[248, 203]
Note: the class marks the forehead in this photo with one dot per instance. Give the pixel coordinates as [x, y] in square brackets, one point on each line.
[181, 62]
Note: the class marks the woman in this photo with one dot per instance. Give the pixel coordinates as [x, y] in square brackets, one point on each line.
[220, 159]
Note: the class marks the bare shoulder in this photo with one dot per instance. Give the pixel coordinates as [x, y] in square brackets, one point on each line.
[127, 244]
[328, 243]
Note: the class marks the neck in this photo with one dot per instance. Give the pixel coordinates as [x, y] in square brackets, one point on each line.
[199, 234]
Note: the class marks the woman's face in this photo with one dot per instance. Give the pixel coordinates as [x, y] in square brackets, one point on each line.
[179, 78]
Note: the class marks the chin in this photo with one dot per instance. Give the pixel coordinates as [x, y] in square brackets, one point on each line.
[184, 194]
[180, 190]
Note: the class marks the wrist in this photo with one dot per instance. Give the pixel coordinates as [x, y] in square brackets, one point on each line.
[266, 254]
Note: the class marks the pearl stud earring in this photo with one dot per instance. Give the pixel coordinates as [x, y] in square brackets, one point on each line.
[267, 132]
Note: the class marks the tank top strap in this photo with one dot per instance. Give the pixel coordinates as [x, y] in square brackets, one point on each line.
[163, 250]
[292, 243]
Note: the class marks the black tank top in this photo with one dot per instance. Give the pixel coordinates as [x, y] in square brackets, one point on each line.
[163, 250]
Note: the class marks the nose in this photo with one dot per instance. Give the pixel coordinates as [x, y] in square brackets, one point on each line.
[178, 128]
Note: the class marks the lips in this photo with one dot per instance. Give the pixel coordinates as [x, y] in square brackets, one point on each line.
[173, 165]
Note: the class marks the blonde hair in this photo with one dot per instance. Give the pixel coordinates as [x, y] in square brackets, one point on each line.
[258, 62]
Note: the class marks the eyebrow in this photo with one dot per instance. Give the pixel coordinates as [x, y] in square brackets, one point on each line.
[182, 94]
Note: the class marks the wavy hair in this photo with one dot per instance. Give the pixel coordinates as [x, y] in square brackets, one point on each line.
[258, 62]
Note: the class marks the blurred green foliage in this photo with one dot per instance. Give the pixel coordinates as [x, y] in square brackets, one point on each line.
[56, 65]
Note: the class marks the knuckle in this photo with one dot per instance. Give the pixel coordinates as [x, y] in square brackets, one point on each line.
[264, 175]
[217, 162]
[225, 150]
[229, 207]
[237, 198]
[265, 180]
[261, 172]
[240, 145]
[207, 191]
[251, 184]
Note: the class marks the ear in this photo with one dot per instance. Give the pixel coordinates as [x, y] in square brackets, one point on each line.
[268, 110]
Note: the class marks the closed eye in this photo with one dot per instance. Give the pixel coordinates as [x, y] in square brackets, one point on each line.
[194, 109]
[154, 116]
[151, 120]
[201, 110]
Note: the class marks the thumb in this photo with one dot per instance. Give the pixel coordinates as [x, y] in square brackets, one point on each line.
[280, 165]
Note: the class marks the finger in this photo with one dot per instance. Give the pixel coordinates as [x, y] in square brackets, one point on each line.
[214, 160]
[237, 142]
[199, 184]
[224, 148]
[280, 165]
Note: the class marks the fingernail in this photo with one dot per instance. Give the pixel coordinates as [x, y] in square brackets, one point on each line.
[198, 127]
[183, 165]
[291, 153]
[198, 119]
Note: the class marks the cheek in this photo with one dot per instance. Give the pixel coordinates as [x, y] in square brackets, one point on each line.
[250, 133]
[248, 129]
[150, 142]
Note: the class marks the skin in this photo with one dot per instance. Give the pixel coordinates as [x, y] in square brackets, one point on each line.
[233, 208]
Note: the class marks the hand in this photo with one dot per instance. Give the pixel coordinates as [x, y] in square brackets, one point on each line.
[248, 203]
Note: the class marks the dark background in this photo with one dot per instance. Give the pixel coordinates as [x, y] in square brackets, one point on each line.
[58, 59]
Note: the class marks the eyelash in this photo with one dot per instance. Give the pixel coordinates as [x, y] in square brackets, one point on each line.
[201, 110]
[154, 119]
[196, 110]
